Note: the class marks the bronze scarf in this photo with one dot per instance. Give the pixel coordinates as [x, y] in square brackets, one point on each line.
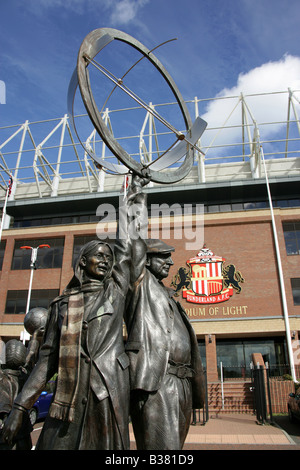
[63, 406]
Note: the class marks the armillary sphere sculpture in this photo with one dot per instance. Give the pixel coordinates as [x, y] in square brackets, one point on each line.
[185, 142]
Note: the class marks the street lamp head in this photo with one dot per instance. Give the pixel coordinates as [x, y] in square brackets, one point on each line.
[31, 248]
[34, 253]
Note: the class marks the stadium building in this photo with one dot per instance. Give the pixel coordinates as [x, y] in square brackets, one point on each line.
[234, 222]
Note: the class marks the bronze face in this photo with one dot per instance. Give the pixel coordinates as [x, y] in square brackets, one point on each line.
[159, 264]
[97, 264]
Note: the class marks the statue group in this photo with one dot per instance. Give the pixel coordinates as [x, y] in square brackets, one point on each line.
[154, 378]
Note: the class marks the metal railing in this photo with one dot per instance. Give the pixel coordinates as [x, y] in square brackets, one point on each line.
[244, 371]
[270, 385]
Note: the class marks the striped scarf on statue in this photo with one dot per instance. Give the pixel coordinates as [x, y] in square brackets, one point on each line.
[63, 406]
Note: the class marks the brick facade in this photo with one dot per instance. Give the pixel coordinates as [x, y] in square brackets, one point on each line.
[244, 239]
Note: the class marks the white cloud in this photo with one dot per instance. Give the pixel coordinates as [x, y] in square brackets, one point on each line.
[119, 11]
[125, 11]
[272, 77]
[38, 7]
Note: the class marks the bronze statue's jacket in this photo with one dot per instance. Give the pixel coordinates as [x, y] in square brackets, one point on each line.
[149, 325]
[103, 365]
[102, 360]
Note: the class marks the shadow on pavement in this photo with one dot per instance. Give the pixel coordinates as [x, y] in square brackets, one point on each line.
[292, 429]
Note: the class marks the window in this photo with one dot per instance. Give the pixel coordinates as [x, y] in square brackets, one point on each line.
[2, 250]
[202, 351]
[287, 203]
[63, 220]
[47, 258]
[78, 244]
[16, 300]
[238, 206]
[291, 232]
[80, 241]
[296, 290]
[236, 355]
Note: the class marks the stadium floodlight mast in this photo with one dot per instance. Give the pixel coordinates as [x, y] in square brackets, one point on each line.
[185, 143]
[33, 267]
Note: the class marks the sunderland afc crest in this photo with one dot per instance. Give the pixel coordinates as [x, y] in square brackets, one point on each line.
[207, 280]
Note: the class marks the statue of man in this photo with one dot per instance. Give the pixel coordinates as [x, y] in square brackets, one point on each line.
[166, 374]
[84, 345]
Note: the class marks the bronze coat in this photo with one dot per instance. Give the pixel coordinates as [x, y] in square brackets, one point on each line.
[149, 325]
[102, 356]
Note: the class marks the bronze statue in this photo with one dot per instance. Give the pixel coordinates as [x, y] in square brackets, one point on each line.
[166, 374]
[35, 323]
[12, 379]
[83, 340]
[84, 344]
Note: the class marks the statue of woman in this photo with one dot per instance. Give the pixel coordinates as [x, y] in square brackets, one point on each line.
[84, 345]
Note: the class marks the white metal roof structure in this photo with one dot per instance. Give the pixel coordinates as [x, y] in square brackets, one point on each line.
[46, 160]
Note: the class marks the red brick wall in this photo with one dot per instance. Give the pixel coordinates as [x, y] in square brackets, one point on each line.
[250, 247]
[243, 239]
[280, 390]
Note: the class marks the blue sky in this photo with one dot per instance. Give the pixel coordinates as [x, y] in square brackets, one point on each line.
[223, 47]
[217, 41]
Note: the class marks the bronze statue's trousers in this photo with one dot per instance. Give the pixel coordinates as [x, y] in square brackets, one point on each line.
[161, 419]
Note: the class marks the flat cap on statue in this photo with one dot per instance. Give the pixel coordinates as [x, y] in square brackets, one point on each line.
[158, 246]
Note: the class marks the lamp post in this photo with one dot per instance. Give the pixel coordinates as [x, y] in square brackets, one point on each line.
[281, 277]
[34, 252]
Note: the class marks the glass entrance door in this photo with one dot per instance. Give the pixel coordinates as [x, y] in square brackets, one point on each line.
[236, 355]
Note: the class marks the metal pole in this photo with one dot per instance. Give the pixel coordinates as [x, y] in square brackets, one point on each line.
[222, 388]
[28, 301]
[205, 410]
[32, 268]
[281, 279]
[34, 252]
[8, 193]
[200, 157]
[269, 392]
[29, 289]
[3, 213]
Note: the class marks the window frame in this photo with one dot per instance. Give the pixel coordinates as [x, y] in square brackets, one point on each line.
[21, 258]
[37, 299]
[295, 285]
[291, 237]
